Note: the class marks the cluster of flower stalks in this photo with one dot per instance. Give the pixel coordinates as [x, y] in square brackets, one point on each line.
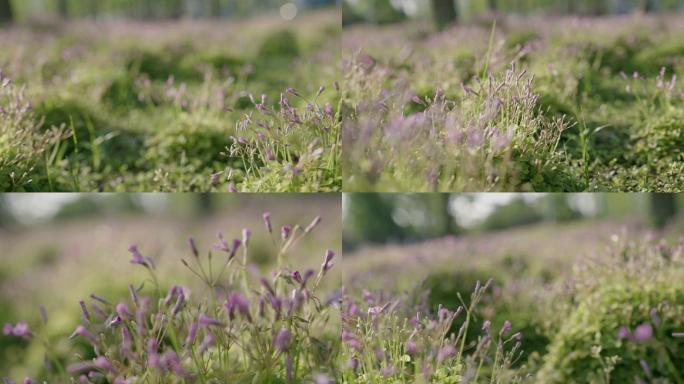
[246, 328]
[486, 135]
[394, 341]
[280, 145]
[22, 143]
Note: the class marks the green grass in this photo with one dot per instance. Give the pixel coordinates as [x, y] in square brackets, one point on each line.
[533, 105]
[568, 288]
[165, 112]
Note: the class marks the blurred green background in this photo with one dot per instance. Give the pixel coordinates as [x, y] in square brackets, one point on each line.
[444, 12]
[58, 248]
[406, 218]
[146, 9]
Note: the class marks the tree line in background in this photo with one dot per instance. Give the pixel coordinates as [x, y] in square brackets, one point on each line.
[379, 218]
[143, 9]
[447, 12]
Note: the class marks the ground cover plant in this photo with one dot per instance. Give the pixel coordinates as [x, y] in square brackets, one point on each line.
[240, 323]
[116, 105]
[242, 326]
[511, 103]
[593, 303]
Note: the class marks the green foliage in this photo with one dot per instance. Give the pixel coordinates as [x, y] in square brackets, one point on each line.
[595, 112]
[595, 336]
[161, 113]
[281, 44]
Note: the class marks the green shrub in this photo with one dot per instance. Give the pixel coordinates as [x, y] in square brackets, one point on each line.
[122, 93]
[582, 349]
[196, 140]
[160, 66]
[593, 318]
[279, 44]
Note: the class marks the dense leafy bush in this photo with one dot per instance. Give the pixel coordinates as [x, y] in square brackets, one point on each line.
[620, 319]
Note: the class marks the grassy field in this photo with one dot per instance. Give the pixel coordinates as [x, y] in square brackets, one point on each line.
[171, 106]
[552, 104]
[56, 265]
[586, 302]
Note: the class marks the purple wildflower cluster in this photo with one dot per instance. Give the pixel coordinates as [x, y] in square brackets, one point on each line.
[290, 142]
[462, 138]
[243, 327]
[390, 340]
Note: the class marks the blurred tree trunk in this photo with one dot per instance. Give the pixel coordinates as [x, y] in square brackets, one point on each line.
[491, 4]
[663, 208]
[147, 9]
[94, 8]
[63, 9]
[6, 14]
[205, 204]
[648, 6]
[176, 10]
[599, 7]
[444, 13]
[572, 6]
[450, 227]
[216, 8]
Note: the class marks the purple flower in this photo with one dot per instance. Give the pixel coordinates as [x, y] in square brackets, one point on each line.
[191, 241]
[85, 333]
[137, 257]
[487, 326]
[327, 264]
[389, 371]
[411, 347]
[192, 334]
[206, 343]
[643, 333]
[246, 235]
[126, 339]
[282, 340]
[21, 329]
[322, 379]
[267, 221]
[505, 328]
[172, 363]
[222, 245]
[153, 359]
[329, 110]
[285, 232]
[623, 332]
[123, 311]
[445, 353]
[116, 321]
[239, 304]
[84, 309]
[353, 364]
[351, 340]
[28, 381]
[206, 321]
[104, 364]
